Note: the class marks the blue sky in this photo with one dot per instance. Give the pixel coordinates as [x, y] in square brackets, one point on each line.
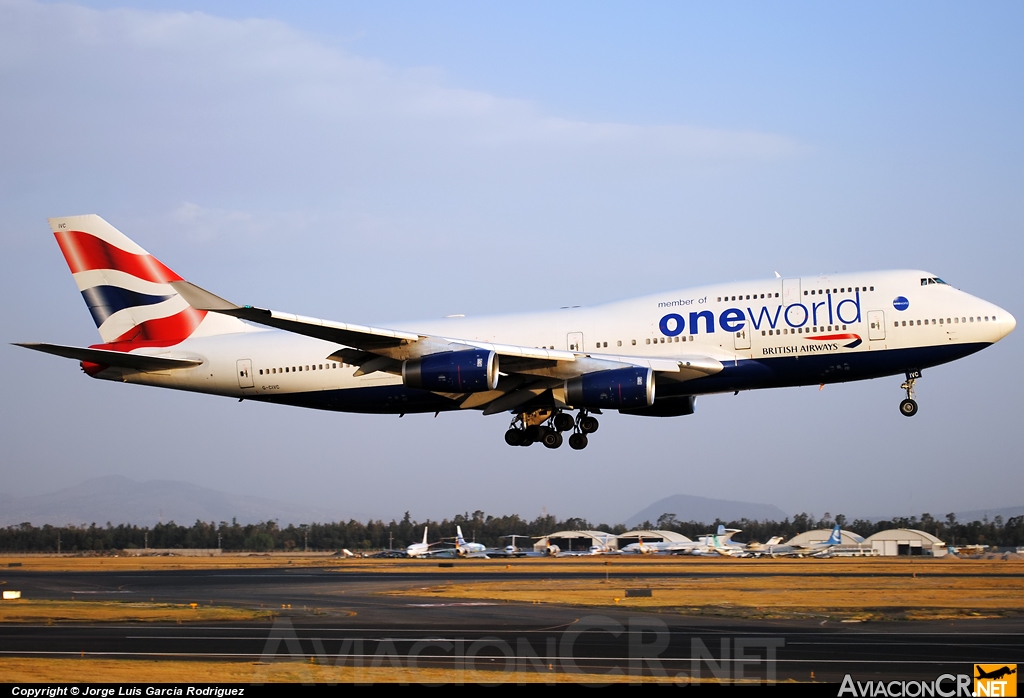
[380, 162]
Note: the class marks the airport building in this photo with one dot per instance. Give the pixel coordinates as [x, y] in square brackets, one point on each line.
[823, 534]
[570, 541]
[906, 541]
[658, 536]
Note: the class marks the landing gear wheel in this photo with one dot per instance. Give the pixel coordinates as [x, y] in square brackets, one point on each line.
[514, 437]
[564, 422]
[552, 439]
[578, 442]
[588, 424]
[908, 408]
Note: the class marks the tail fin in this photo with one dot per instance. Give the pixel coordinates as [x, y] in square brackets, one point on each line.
[836, 537]
[127, 289]
[425, 535]
[458, 533]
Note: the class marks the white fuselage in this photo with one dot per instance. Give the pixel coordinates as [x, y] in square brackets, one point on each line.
[767, 333]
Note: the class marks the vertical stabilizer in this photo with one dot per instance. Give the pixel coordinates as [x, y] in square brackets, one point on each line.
[127, 290]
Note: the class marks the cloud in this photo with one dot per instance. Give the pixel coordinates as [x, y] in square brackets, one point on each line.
[197, 98]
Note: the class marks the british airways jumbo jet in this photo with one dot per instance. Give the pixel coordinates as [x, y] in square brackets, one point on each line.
[648, 356]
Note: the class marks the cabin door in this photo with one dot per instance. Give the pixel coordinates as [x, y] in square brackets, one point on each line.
[244, 369]
[876, 325]
[575, 341]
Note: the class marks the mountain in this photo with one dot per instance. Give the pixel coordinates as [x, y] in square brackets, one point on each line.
[688, 507]
[120, 500]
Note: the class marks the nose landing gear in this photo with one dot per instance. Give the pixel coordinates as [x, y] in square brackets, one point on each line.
[908, 408]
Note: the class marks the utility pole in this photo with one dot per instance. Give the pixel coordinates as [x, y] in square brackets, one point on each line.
[305, 540]
[145, 539]
[58, 542]
[218, 541]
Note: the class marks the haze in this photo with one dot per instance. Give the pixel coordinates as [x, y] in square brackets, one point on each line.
[374, 163]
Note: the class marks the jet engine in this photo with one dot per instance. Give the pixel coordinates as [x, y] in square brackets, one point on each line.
[469, 371]
[665, 407]
[620, 388]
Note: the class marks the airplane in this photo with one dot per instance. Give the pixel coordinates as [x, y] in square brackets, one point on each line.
[995, 673]
[719, 543]
[419, 549]
[819, 549]
[513, 550]
[649, 356]
[464, 549]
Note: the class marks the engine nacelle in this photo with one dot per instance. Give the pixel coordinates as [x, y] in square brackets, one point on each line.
[665, 407]
[552, 550]
[620, 388]
[469, 371]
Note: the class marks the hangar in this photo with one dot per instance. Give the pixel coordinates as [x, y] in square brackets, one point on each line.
[823, 534]
[655, 536]
[906, 541]
[568, 541]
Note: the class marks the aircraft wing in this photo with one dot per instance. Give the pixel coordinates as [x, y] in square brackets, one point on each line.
[527, 371]
[119, 359]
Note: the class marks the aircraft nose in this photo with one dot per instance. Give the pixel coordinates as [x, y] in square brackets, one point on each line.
[1006, 323]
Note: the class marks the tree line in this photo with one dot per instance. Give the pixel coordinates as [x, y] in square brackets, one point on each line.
[492, 531]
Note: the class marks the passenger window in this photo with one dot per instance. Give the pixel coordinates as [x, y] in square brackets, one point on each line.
[633, 341]
[648, 340]
[872, 288]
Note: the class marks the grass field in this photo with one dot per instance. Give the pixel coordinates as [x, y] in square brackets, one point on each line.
[44, 611]
[853, 590]
[14, 670]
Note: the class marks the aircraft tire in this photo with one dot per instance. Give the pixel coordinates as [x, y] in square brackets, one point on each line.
[588, 425]
[514, 437]
[908, 408]
[552, 439]
[564, 422]
[578, 442]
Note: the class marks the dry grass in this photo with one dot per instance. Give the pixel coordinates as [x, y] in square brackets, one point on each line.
[39, 611]
[822, 588]
[89, 670]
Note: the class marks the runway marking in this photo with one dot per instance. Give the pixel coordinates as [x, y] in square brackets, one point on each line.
[501, 657]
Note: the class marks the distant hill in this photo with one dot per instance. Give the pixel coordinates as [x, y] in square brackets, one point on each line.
[688, 507]
[120, 500]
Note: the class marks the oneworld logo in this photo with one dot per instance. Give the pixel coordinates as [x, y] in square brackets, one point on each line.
[815, 314]
[900, 303]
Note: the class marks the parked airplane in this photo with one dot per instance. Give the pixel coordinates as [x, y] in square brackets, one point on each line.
[719, 543]
[649, 356]
[464, 549]
[819, 549]
[419, 549]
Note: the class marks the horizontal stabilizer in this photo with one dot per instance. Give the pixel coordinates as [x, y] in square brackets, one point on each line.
[120, 359]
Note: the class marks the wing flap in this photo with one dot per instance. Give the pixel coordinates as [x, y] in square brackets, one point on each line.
[119, 359]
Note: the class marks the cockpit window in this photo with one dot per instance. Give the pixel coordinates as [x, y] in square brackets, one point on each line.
[932, 280]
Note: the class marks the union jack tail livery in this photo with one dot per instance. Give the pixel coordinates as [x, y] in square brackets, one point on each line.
[128, 290]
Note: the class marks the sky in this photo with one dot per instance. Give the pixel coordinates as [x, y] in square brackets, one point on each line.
[382, 162]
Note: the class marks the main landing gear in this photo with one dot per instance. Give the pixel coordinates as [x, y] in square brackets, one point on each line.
[908, 408]
[547, 426]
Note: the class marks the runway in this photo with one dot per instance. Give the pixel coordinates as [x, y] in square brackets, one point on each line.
[343, 618]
